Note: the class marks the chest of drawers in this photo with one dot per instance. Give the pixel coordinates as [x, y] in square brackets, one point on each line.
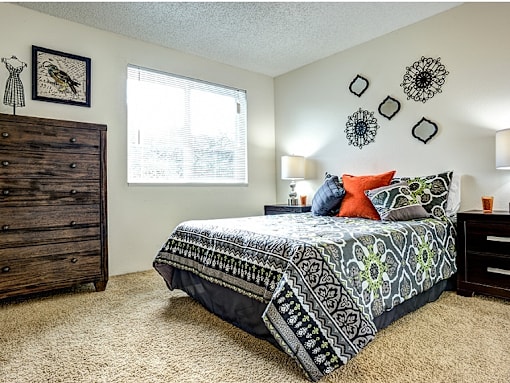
[483, 253]
[53, 229]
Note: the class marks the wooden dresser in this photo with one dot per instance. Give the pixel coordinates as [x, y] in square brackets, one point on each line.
[53, 229]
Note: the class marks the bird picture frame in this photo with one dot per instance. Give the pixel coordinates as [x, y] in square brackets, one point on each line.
[60, 77]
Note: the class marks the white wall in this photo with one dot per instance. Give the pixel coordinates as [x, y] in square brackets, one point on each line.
[141, 218]
[313, 103]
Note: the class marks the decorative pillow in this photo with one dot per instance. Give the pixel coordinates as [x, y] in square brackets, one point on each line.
[431, 191]
[396, 203]
[355, 202]
[328, 197]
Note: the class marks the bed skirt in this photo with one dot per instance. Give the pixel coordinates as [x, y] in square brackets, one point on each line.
[246, 313]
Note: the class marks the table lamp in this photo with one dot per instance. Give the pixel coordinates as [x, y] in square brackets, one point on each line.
[503, 149]
[293, 168]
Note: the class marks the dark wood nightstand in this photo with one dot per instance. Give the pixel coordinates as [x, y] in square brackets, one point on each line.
[286, 209]
[483, 253]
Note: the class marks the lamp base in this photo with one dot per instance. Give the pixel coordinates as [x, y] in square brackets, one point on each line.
[292, 201]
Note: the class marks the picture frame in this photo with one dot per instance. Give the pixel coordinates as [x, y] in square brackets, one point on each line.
[60, 77]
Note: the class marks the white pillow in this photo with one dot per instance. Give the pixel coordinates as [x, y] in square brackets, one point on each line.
[453, 202]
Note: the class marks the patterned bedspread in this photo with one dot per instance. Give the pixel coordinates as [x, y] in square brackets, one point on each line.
[324, 279]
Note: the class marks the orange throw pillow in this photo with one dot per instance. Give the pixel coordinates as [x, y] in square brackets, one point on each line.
[355, 202]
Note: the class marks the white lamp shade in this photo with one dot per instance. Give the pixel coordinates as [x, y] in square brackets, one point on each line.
[293, 167]
[503, 149]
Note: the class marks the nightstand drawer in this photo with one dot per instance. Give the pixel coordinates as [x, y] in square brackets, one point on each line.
[488, 270]
[487, 237]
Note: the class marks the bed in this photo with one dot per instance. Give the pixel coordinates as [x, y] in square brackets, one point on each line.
[318, 287]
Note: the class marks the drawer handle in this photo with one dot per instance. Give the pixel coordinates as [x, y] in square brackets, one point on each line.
[73, 223]
[497, 239]
[5, 163]
[72, 140]
[74, 191]
[5, 227]
[6, 269]
[5, 192]
[74, 260]
[72, 166]
[495, 270]
[5, 134]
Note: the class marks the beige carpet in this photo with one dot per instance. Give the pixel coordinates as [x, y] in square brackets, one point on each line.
[138, 331]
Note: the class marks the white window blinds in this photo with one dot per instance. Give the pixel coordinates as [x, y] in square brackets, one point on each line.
[185, 131]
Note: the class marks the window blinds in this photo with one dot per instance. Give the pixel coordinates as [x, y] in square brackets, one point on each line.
[185, 131]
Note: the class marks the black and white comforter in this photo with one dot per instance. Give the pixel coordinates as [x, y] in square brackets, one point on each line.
[324, 279]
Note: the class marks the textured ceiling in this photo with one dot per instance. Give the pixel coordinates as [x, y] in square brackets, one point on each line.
[264, 37]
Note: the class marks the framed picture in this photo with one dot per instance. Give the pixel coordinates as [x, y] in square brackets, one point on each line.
[60, 77]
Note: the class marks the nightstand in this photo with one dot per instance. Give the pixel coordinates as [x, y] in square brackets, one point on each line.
[286, 209]
[483, 253]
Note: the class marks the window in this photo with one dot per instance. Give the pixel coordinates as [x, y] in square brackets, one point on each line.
[184, 131]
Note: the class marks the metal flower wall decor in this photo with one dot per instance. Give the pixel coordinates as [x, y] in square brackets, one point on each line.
[361, 128]
[424, 79]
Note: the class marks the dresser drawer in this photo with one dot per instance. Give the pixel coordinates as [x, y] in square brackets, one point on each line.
[20, 238]
[45, 164]
[48, 138]
[24, 192]
[44, 217]
[489, 237]
[488, 270]
[31, 274]
[38, 250]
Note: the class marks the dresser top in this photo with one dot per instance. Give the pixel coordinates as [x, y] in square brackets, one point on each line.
[9, 118]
